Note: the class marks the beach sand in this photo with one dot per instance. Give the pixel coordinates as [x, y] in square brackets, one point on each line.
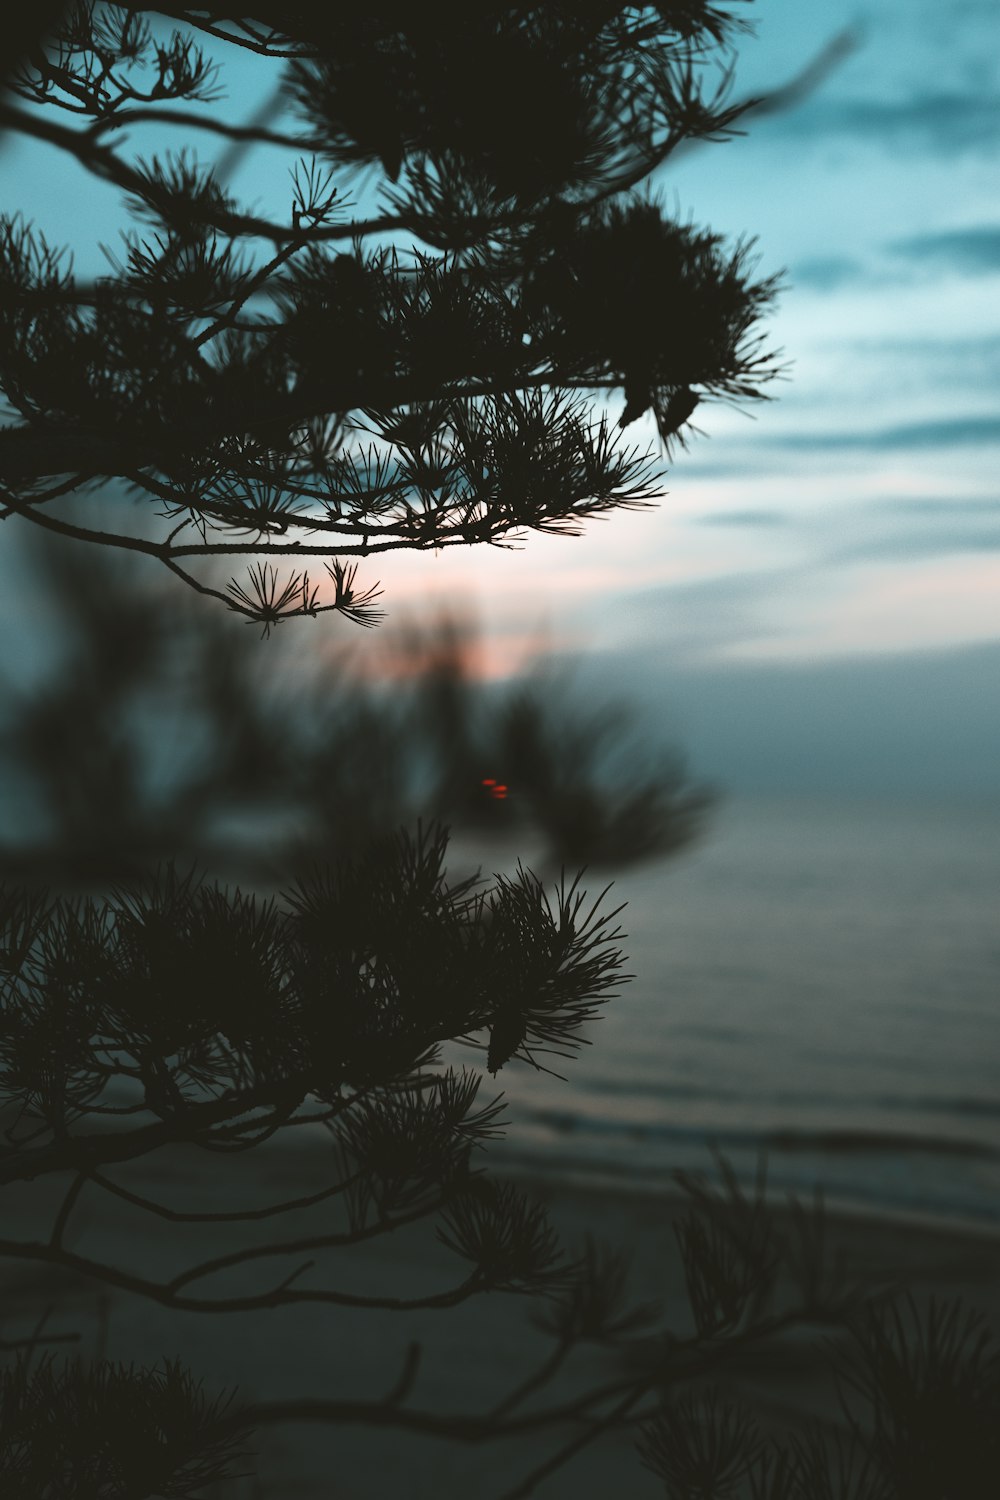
[472, 1355]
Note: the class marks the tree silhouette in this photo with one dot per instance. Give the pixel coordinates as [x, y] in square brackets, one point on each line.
[153, 737]
[343, 396]
[422, 377]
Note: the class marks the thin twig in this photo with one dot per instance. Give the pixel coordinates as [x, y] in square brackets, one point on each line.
[614, 1418]
[66, 1208]
[279, 1296]
[407, 1375]
[312, 1242]
[234, 1216]
[537, 1380]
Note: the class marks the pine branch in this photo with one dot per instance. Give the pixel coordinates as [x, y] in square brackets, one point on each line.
[281, 1295]
[185, 364]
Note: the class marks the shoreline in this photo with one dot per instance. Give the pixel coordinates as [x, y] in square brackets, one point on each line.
[838, 1207]
[473, 1354]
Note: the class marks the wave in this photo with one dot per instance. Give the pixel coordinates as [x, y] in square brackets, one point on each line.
[876, 1140]
[821, 1141]
[987, 1109]
[951, 1204]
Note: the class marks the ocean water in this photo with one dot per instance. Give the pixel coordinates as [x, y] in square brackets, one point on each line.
[820, 982]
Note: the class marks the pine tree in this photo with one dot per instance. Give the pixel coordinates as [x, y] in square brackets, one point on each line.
[429, 375]
[421, 378]
[153, 735]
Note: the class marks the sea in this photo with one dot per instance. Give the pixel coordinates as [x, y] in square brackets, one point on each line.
[816, 993]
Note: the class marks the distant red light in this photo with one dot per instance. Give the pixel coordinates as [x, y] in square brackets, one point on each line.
[488, 781]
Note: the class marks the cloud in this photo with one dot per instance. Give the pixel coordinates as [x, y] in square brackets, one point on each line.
[946, 432]
[945, 123]
[951, 359]
[973, 251]
[853, 596]
[827, 272]
[919, 544]
[710, 463]
[942, 433]
[698, 618]
[933, 505]
[743, 518]
[943, 527]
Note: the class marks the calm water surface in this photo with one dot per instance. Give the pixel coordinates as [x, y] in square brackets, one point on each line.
[820, 981]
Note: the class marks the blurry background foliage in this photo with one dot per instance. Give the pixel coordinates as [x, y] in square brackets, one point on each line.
[157, 733]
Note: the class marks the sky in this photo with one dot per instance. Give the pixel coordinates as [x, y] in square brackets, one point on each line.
[814, 606]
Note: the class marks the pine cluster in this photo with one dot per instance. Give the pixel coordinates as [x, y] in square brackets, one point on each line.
[323, 385]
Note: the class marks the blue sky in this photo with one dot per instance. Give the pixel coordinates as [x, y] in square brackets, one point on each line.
[835, 560]
[816, 604]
